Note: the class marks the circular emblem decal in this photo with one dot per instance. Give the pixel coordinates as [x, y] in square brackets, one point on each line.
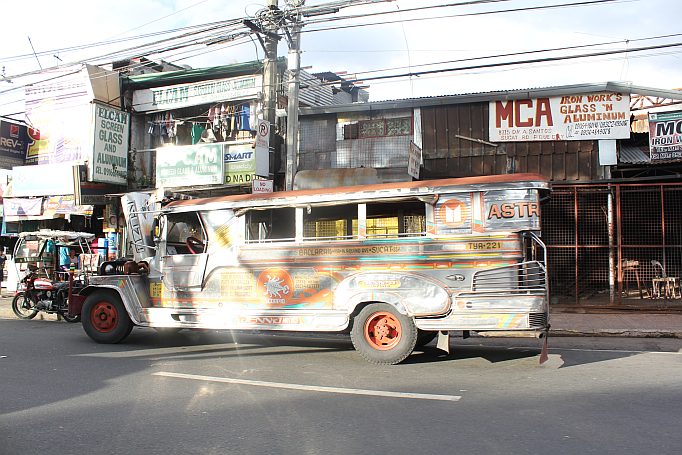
[275, 286]
[453, 213]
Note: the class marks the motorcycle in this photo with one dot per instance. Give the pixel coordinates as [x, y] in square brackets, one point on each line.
[37, 294]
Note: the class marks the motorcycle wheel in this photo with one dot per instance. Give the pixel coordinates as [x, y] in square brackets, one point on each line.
[23, 306]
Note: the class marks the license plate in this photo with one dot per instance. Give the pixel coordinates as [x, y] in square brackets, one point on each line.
[484, 245]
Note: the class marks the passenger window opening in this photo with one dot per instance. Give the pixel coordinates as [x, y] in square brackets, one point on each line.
[272, 225]
[337, 222]
[398, 219]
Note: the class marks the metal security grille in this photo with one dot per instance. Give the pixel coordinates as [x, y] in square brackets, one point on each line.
[590, 265]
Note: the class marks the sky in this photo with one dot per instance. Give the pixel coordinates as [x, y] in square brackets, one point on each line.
[404, 45]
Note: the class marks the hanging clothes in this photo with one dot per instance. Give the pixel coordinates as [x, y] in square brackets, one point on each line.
[197, 129]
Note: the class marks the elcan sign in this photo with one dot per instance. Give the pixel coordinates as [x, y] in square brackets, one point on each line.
[183, 95]
[110, 149]
[561, 118]
[189, 165]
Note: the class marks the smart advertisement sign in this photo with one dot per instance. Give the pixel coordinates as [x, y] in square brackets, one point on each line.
[191, 165]
[240, 164]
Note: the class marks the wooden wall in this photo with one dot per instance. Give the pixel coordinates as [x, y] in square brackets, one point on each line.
[448, 154]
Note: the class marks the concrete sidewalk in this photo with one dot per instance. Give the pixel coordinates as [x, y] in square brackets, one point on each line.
[624, 324]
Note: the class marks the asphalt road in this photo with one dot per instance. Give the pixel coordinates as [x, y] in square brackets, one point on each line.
[222, 393]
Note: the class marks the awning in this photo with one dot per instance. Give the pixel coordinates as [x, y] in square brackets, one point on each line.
[27, 209]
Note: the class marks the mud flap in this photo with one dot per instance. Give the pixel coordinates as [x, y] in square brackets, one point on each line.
[444, 341]
[543, 355]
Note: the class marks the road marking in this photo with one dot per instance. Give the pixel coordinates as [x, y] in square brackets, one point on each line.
[310, 388]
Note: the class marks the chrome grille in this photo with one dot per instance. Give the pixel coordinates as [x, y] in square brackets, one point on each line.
[537, 320]
[521, 278]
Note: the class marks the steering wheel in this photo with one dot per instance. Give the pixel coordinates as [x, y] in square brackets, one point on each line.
[194, 245]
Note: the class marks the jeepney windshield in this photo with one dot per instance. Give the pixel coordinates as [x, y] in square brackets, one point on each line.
[181, 226]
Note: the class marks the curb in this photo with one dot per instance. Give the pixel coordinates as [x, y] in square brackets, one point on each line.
[625, 333]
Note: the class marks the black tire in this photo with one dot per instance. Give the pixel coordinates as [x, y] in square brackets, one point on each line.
[24, 306]
[67, 318]
[105, 318]
[382, 335]
[424, 337]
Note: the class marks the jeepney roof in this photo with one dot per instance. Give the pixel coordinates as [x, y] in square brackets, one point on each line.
[335, 195]
[63, 237]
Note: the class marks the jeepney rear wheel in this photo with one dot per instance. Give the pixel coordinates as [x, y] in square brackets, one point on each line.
[105, 318]
[382, 335]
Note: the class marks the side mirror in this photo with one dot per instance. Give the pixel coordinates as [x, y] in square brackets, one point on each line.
[155, 228]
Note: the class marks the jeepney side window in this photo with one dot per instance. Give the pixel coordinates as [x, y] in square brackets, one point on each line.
[182, 226]
[337, 222]
[271, 225]
[396, 219]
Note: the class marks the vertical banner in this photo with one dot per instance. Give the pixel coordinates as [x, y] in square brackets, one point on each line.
[414, 160]
[110, 145]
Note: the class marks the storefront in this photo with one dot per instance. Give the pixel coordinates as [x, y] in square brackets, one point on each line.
[195, 131]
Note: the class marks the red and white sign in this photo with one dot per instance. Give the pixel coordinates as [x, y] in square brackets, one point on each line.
[578, 117]
[261, 186]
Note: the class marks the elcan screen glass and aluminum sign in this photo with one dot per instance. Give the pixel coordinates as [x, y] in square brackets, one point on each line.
[191, 165]
[665, 135]
[562, 118]
[110, 149]
[183, 95]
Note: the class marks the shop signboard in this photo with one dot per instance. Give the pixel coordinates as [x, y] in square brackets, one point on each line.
[111, 128]
[60, 114]
[665, 135]
[13, 143]
[240, 164]
[414, 160]
[590, 116]
[56, 179]
[193, 94]
[22, 207]
[191, 165]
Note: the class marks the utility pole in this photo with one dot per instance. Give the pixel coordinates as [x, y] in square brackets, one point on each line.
[294, 65]
[270, 74]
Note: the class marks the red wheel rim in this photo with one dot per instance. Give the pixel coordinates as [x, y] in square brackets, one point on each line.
[383, 331]
[104, 317]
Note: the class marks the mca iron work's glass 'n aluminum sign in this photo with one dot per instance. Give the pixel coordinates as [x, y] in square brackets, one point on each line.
[561, 118]
[665, 135]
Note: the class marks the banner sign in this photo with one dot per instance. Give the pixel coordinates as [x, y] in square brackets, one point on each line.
[200, 164]
[61, 115]
[665, 135]
[56, 179]
[561, 118]
[22, 207]
[13, 143]
[183, 95]
[240, 164]
[110, 150]
[63, 205]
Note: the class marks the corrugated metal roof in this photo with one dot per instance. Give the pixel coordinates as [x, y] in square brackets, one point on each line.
[634, 155]
[639, 155]
[480, 97]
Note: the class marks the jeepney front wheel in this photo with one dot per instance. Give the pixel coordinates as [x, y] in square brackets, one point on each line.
[105, 318]
[382, 335]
